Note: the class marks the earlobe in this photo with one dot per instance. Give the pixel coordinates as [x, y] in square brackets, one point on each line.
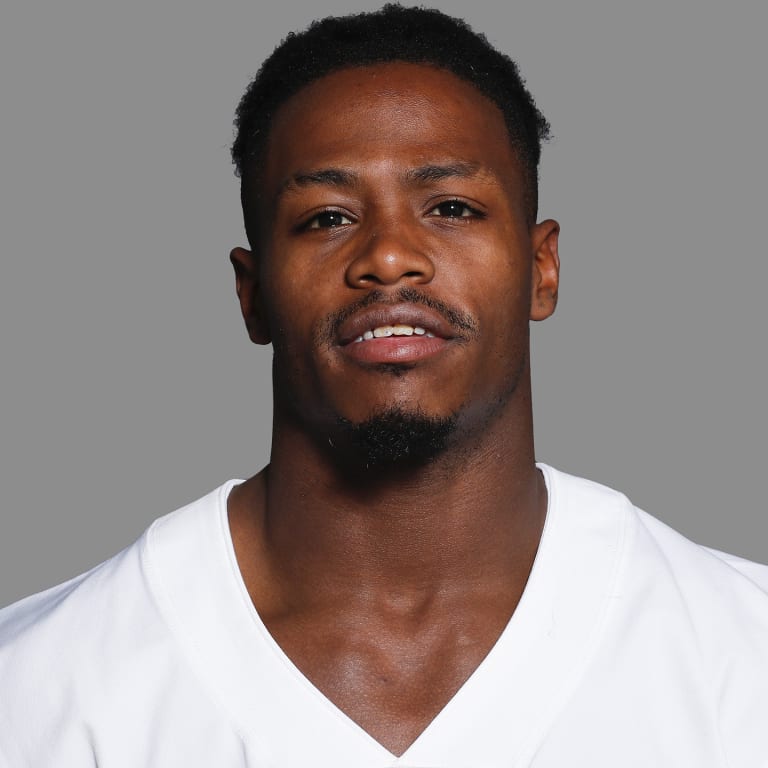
[545, 270]
[246, 268]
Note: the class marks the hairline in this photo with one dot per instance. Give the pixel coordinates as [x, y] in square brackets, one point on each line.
[249, 174]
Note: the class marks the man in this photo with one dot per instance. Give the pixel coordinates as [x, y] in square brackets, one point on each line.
[403, 584]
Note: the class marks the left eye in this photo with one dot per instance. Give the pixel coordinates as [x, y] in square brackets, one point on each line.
[328, 220]
[453, 209]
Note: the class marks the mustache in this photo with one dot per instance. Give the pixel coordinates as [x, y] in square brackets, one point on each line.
[463, 323]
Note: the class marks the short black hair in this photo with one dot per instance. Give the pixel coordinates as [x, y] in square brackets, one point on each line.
[393, 33]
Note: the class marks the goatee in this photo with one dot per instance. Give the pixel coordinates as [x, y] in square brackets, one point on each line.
[396, 437]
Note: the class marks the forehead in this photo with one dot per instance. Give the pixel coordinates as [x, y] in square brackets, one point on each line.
[395, 115]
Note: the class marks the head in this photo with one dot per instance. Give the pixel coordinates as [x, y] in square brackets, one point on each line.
[394, 33]
[389, 175]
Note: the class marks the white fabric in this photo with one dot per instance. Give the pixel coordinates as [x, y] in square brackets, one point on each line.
[631, 647]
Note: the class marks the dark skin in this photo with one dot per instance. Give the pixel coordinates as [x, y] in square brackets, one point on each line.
[388, 587]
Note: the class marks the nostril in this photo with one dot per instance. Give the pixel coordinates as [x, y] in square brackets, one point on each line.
[387, 260]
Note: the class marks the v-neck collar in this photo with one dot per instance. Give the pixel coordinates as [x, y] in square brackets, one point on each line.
[504, 707]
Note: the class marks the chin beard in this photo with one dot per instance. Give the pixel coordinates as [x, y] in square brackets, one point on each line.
[396, 438]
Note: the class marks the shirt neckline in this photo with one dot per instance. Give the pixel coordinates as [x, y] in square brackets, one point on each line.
[528, 596]
[291, 722]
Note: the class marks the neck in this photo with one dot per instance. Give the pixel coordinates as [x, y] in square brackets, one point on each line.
[474, 513]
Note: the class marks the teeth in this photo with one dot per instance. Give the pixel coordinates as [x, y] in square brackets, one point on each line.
[384, 331]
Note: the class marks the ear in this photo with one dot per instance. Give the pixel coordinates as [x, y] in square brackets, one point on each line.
[545, 270]
[246, 266]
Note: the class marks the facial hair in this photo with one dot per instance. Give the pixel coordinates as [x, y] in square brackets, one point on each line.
[396, 437]
[463, 325]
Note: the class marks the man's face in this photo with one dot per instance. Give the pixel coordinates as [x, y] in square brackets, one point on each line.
[395, 267]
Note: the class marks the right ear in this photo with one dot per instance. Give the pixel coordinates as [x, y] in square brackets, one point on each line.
[246, 266]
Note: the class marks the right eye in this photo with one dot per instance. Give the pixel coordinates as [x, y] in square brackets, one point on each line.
[328, 220]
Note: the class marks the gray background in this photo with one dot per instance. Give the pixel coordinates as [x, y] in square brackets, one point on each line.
[128, 383]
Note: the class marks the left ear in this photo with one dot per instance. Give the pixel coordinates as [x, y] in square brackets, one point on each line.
[545, 269]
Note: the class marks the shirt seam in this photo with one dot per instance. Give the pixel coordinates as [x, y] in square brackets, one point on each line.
[624, 539]
[188, 649]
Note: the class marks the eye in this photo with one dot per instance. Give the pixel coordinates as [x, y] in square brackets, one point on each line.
[454, 209]
[328, 220]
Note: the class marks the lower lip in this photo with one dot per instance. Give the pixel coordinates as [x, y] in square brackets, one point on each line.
[395, 349]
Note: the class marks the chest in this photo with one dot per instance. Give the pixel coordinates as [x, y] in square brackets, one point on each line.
[392, 676]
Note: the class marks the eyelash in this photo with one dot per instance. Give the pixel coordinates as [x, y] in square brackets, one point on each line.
[473, 212]
[314, 222]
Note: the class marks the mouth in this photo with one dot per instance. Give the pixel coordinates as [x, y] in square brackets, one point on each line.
[399, 333]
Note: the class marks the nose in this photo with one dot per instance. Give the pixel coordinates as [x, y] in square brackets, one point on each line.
[388, 257]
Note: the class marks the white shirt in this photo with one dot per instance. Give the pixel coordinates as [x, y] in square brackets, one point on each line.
[631, 647]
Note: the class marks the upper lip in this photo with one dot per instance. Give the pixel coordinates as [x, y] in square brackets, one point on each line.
[394, 314]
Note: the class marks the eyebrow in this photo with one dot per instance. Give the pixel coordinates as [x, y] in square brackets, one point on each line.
[338, 177]
[429, 173]
[324, 177]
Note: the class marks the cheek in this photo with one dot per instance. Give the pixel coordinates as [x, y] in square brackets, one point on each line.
[282, 320]
[495, 285]
[296, 307]
[503, 317]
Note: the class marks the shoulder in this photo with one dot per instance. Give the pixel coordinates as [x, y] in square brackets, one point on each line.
[92, 644]
[119, 590]
[692, 620]
[56, 650]
[717, 599]
[654, 549]
[76, 615]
